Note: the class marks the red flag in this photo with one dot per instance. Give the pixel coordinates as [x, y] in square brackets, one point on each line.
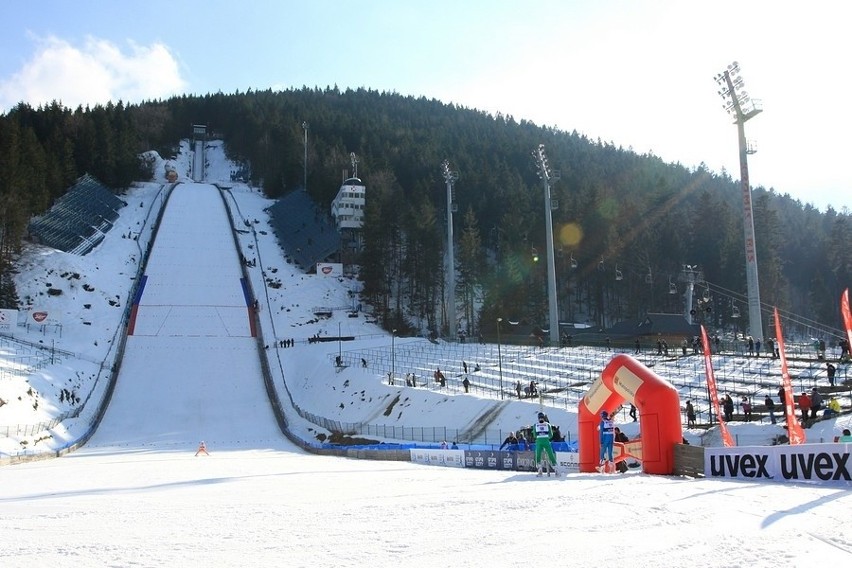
[727, 440]
[794, 429]
[847, 316]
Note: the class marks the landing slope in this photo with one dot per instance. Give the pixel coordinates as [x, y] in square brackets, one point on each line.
[191, 370]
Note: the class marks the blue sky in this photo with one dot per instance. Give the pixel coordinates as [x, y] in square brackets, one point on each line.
[637, 73]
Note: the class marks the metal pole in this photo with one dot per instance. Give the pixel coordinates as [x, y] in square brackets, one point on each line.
[393, 354]
[755, 320]
[551, 268]
[450, 178]
[499, 357]
[735, 96]
[546, 176]
[305, 183]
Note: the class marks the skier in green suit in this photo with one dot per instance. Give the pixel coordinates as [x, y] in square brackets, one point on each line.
[543, 434]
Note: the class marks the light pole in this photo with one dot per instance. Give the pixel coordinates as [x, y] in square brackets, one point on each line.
[546, 175]
[741, 107]
[393, 354]
[499, 357]
[339, 343]
[450, 177]
[305, 183]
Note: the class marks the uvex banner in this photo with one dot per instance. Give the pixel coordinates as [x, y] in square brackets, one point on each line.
[804, 463]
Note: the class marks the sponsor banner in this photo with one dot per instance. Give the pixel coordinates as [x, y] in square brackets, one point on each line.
[8, 320]
[445, 458]
[568, 461]
[795, 432]
[42, 317]
[329, 269]
[524, 460]
[517, 460]
[488, 459]
[846, 312]
[491, 459]
[803, 463]
[727, 439]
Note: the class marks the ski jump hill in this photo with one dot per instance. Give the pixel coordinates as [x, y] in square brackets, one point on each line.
[191, 369]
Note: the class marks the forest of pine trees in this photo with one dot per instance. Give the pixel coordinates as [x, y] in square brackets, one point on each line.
[617, 210]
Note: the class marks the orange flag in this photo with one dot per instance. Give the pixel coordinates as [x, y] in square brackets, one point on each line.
[794, 429]
[727, 440]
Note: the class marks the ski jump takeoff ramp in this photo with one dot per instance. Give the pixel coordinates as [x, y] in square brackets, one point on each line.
[191, 369]
[626, 379]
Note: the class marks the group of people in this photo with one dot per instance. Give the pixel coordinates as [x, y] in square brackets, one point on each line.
[811, 404]
[440, 378]
[528, 390]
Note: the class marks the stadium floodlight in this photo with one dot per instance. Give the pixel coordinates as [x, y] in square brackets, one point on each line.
[547, 175]
[742, 107]
[450, 178]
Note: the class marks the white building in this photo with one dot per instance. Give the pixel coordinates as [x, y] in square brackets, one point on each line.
[347, 209]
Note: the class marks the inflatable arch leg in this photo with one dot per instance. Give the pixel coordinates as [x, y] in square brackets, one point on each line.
[626, 379]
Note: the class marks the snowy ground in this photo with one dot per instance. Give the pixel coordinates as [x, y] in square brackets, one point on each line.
[136, 495]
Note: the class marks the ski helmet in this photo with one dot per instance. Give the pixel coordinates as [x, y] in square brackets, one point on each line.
[604, 414]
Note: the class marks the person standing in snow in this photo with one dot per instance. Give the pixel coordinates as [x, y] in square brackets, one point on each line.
[830, 372]
[621, 437]
[607, 428]
[816, 402]
[543, 435]
[202, 449]
[770, 408]
[728, 407]
[690, 414]
[804, 406]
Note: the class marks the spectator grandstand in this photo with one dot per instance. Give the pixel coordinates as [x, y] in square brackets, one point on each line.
[562, 377]
[78, 220]
[305, 232]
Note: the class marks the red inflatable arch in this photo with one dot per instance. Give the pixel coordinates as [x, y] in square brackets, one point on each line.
[626, 379]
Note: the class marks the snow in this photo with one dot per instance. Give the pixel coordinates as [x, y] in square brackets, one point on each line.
[135, 493]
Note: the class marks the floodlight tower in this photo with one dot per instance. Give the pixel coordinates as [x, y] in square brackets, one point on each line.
[741, 107]
[450, 177]
[546, 175]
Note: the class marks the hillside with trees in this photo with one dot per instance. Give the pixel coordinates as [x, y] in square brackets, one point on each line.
[619, 213]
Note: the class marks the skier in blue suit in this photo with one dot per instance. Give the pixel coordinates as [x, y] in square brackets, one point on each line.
[607, 428]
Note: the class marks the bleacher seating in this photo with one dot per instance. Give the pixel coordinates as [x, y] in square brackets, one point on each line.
[563, 375]
[305, 231]
[78, 220]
